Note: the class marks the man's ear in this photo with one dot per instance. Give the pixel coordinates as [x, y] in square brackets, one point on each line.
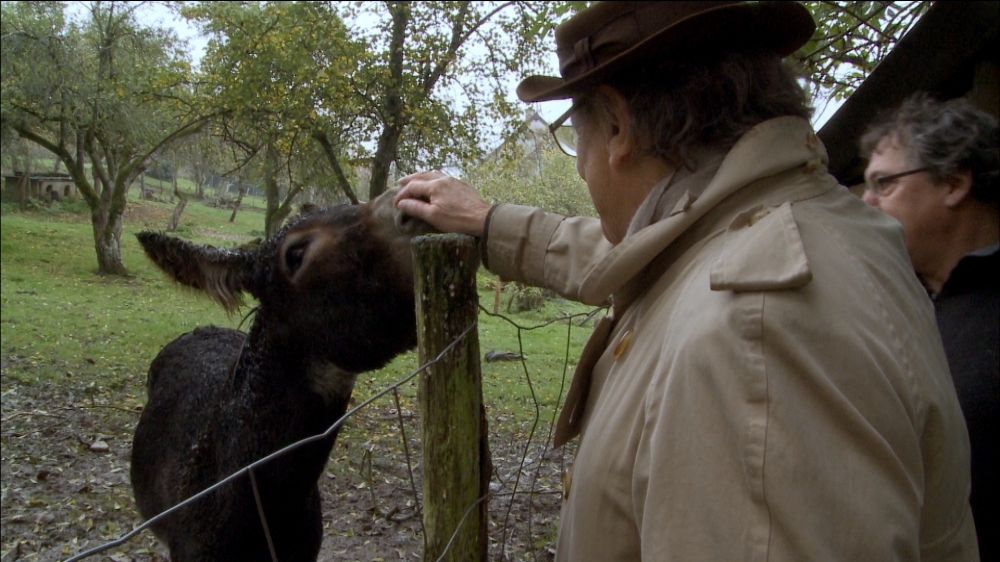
[959, 188]
[618, 126]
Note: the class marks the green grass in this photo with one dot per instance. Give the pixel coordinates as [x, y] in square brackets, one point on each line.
[60, 322]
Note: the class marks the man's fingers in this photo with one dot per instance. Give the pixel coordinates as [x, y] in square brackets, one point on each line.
[420, 177]
[442, 201]
[417, 186]
[414, 208]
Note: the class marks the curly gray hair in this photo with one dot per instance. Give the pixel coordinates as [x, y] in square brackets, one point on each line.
[948, 138]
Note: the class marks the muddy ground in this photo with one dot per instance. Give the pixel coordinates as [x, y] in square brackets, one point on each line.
[65, 487]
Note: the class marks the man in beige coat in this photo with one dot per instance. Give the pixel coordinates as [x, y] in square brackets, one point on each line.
[770, 384]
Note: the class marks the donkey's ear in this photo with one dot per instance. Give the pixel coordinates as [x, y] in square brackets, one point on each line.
[217, 271]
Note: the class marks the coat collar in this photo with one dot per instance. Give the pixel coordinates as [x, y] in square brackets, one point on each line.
[775, 147]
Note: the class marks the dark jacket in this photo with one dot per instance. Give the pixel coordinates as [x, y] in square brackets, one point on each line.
[968, 315]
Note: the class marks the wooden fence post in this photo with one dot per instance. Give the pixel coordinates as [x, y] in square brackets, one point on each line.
[456, 468]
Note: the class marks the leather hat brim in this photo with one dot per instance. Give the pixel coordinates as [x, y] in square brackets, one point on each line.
[781, 27]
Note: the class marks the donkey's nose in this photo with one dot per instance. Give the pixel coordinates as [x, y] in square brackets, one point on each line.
[404, 222]
[409, 224]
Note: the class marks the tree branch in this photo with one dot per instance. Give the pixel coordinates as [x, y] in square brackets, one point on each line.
[133, 168]
[75, 169]
[331, 156]
[845, 7]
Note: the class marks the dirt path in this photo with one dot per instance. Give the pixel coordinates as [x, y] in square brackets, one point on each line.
[65, 486]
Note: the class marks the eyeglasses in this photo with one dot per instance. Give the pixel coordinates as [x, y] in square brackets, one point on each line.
[881, 186]
[563, 132]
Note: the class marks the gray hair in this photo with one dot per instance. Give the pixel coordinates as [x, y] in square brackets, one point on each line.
[948, 138]
[706, 101]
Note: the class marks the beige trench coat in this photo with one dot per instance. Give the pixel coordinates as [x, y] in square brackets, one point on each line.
[782, 393]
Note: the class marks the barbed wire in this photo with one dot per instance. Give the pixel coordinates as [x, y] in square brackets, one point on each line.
[568, 318]
[248, 469]
[525, 465]
[409, 466]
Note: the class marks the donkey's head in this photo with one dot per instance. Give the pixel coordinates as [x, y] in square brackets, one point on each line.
[334, 283]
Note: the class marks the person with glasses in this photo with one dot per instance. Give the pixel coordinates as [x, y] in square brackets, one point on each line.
[769, 383]
[933, 166]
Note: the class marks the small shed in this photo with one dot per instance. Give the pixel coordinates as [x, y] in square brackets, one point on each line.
[49, 186]
[951, 52]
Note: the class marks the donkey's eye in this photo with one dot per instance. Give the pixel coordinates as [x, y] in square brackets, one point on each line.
[294, 255]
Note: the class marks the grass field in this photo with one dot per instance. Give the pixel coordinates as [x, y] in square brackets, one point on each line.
[62, 320]
[76, 346]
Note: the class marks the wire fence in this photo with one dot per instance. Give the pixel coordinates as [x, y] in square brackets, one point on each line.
[525, 489]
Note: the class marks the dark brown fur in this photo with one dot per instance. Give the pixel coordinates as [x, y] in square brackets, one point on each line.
[336, 298]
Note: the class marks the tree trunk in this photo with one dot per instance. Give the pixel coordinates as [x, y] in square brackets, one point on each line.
[199, 185]
[453, 423]
[395, 120]
[277, 210]
[107, 240]
[182, 200]
[271, 189]
[272, 205]
[143, 194]
[385, 155]
[496, 297]
[239, 200]
[23, 188]
[24, 183]
[275, 218]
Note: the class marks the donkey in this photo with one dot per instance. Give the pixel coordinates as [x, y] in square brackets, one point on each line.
[335, 293]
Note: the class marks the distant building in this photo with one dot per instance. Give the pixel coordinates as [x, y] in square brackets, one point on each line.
[529, 142]
[47, 186]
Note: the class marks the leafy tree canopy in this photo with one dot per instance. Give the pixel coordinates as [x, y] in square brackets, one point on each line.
[277, 74]
[851, 39]
[381, 86]
[331, 95]
[105, 94]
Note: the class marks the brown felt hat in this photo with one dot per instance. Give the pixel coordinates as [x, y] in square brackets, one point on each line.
[611, 36]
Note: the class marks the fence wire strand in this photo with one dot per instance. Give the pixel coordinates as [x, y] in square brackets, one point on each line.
[568, 318]
[149, 522]
[263, 518]
[409, 467]
[461, 523]
[527, 464]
